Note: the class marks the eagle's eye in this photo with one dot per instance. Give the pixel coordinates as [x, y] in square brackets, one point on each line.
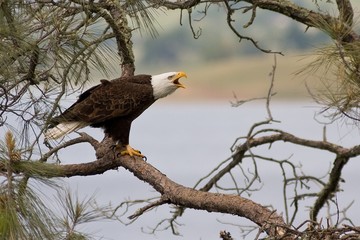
[171, 77]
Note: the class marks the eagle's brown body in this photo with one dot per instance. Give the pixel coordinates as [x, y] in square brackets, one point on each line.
[111, 105]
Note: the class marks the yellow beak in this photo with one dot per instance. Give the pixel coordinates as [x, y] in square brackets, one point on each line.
[177, 77]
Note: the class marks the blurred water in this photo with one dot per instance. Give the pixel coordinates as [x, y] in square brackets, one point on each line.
[186, 141]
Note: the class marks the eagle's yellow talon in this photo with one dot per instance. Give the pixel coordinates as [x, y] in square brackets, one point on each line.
[132, 152]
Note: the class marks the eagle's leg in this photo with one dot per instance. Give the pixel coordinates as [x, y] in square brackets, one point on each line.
[119, 129]
[132, 152]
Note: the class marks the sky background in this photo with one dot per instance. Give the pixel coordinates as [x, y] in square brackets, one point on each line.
[187, 134]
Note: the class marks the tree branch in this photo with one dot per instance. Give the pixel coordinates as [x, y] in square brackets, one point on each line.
[116, 17]
[311, 18]
[330, 188]
[188, 197]
[142, 210]
[83, 138]
[176, 194]
[229, 21]
[346, 12]
[252, 142]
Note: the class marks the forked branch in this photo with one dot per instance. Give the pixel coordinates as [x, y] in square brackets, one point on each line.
[170, 191]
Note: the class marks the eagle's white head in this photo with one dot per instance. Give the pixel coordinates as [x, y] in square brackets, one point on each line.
[166, 83]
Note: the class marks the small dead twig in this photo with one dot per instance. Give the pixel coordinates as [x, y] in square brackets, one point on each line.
[142, 210]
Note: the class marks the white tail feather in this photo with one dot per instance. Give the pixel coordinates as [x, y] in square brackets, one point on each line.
[62, 129]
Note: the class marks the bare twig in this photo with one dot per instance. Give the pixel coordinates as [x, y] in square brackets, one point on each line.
[84, 138]
[142, 210]
[229, 21]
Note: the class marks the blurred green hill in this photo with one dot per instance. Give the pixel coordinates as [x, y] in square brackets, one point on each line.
[176, 44]
[218, 65]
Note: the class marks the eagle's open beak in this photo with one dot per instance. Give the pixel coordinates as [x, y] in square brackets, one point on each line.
[177, 77]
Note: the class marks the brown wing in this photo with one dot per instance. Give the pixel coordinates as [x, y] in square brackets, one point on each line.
[111, 99]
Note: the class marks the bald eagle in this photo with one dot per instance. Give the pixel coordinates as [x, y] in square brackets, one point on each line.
[113, 105]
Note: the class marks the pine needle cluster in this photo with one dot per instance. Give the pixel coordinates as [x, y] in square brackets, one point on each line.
[338, 67]
[23, 215]
[26, 209]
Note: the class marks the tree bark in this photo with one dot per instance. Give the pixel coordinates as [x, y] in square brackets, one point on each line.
[269, 221]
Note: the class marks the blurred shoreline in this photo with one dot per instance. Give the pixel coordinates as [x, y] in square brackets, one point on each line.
[247, 78]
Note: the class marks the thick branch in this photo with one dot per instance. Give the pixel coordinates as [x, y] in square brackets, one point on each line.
[290, 10]
[177, 194]
[346, 12]
[116, 17]
[309, 17]
[211, 202]
[300, 14]
[123, 38]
